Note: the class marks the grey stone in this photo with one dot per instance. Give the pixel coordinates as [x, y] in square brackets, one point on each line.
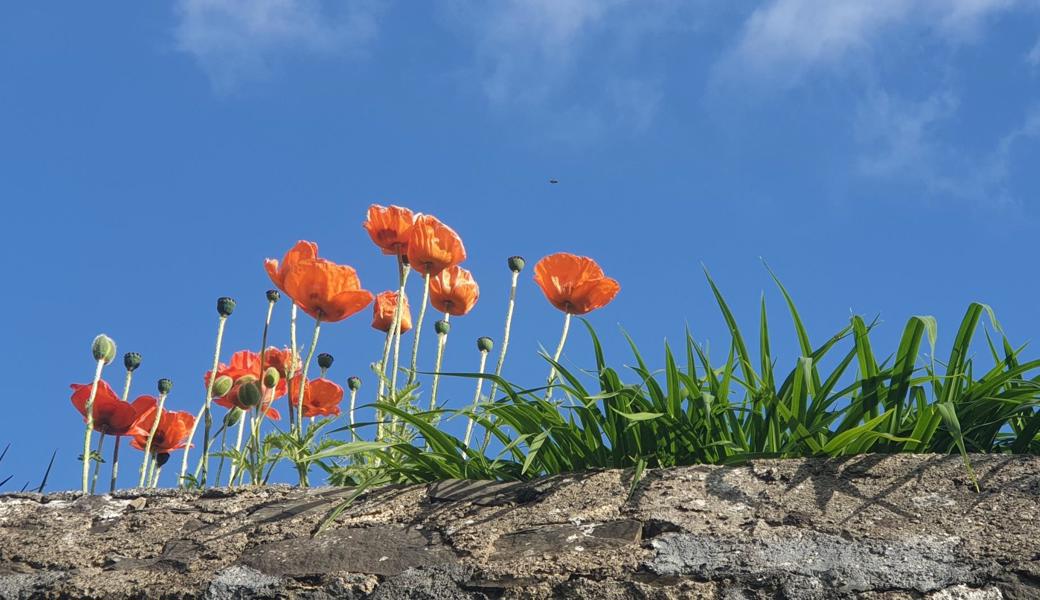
[242, 583]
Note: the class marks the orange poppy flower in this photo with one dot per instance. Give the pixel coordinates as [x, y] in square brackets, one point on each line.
[454, 291]
[389, 227]
[112, 416]
[171, 433]
[320, 396]
[246, 363]
[277, 271]
[383, 312]
[325, 290]
[574, 284]
[433, 246]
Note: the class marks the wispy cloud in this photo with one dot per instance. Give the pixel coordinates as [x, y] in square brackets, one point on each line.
[237, 40]
[1033, 57]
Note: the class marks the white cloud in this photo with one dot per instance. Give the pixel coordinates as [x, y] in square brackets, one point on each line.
[1033, 57]
[235, 40]
[897, 134]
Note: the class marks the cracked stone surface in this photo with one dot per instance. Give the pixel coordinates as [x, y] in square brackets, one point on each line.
[875, 527]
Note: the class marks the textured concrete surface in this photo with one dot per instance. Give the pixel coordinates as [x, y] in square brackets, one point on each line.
[876, 527]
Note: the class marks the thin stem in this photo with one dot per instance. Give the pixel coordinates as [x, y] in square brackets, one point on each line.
[502, 354]
[303, 378]
[442, 340]
[396, 328]
[97, 465]
[418, 326]
[238, 445]
[291, 371]
[209, 399]
[353, 400]
[155, 477]
[115, 451]
[223, 451]
[151, 435]
[90, 424]
[263, 355]
[556, 356]
[476, 398]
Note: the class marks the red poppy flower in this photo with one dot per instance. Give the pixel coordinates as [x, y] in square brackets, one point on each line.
[383, 312]
[454, 291]
[277, 271]
[171, 433]
[246, 363]
[574, 284]
[112, 416]
[389, 227]
[325, 290]
[320, 396]
[433, 246]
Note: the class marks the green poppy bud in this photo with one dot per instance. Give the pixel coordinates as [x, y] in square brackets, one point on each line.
[222, 386]
[131, 360]
[442, 327]
[165, 385]
[354, 383]
[225, 306]
[325, 360]
[516, 263]
[273, 296]
[104, 349]
[485, 344]
[233, 416]
[271, 377]
[249, 394]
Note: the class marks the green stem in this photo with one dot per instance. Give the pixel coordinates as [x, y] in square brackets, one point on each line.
[442, 340]
[303, 378]
[223, 451]
[556, 356]
[476, 398]
[263, 355]
[238, 445]
[353, 400]
[396, 328]
[418, 326]
[209, 399]
[501, 355]
[291, 371]
[97, 465]
[148, 443]
[90, 425]
[115, 451]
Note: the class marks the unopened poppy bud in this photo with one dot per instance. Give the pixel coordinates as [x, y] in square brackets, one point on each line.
[225, 306]
[233, 416]
[354, 383]
[165, 385]
[516, 263]
[325, 360]
[131, 360]
[104, 348]
[249, 394]
[271, 377]
[222, 386]
[485, 344]
[161, 458]
[273, 296]
[442, 327]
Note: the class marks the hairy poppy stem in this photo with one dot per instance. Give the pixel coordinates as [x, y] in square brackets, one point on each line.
[418, 326]
[151, 435]
[263, 355]
[353, 400]
[556, 356]
[90, 424]
[303, 378]
[209, 400]
[238, 445]
[223, 450]
[291, 371]
[115, 451]
[395, 335]
[476, 397]
[97, 465]
[502, 352]
[155, 477]
[442, 340]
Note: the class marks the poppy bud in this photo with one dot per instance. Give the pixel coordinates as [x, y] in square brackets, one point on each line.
[222, 386]
[161, 458]
[233, 416]
[325, 360]
[273, 296]
[485, 344]
[104, 348]
[165, 385]
[131, 360]
[442, 327]
[249, 394]
[271, 377]
[354, 383]
[225, 306]
[516, 263]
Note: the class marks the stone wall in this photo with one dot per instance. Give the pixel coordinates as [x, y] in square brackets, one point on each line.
[879, 527]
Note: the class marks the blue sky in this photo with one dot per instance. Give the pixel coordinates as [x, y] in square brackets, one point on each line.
[880, 155]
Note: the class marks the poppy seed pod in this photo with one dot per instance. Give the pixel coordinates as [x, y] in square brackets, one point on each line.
[354, 383]
[165, 385]
[485, 344]
[225, 306]
[131, 360]
[249, 394]
[442, 327]
[222, 386]
[516, 263]
[161, 458]
[104, 348]
[271, 377]
[325, 360]
[273, 296]
[233, 416]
